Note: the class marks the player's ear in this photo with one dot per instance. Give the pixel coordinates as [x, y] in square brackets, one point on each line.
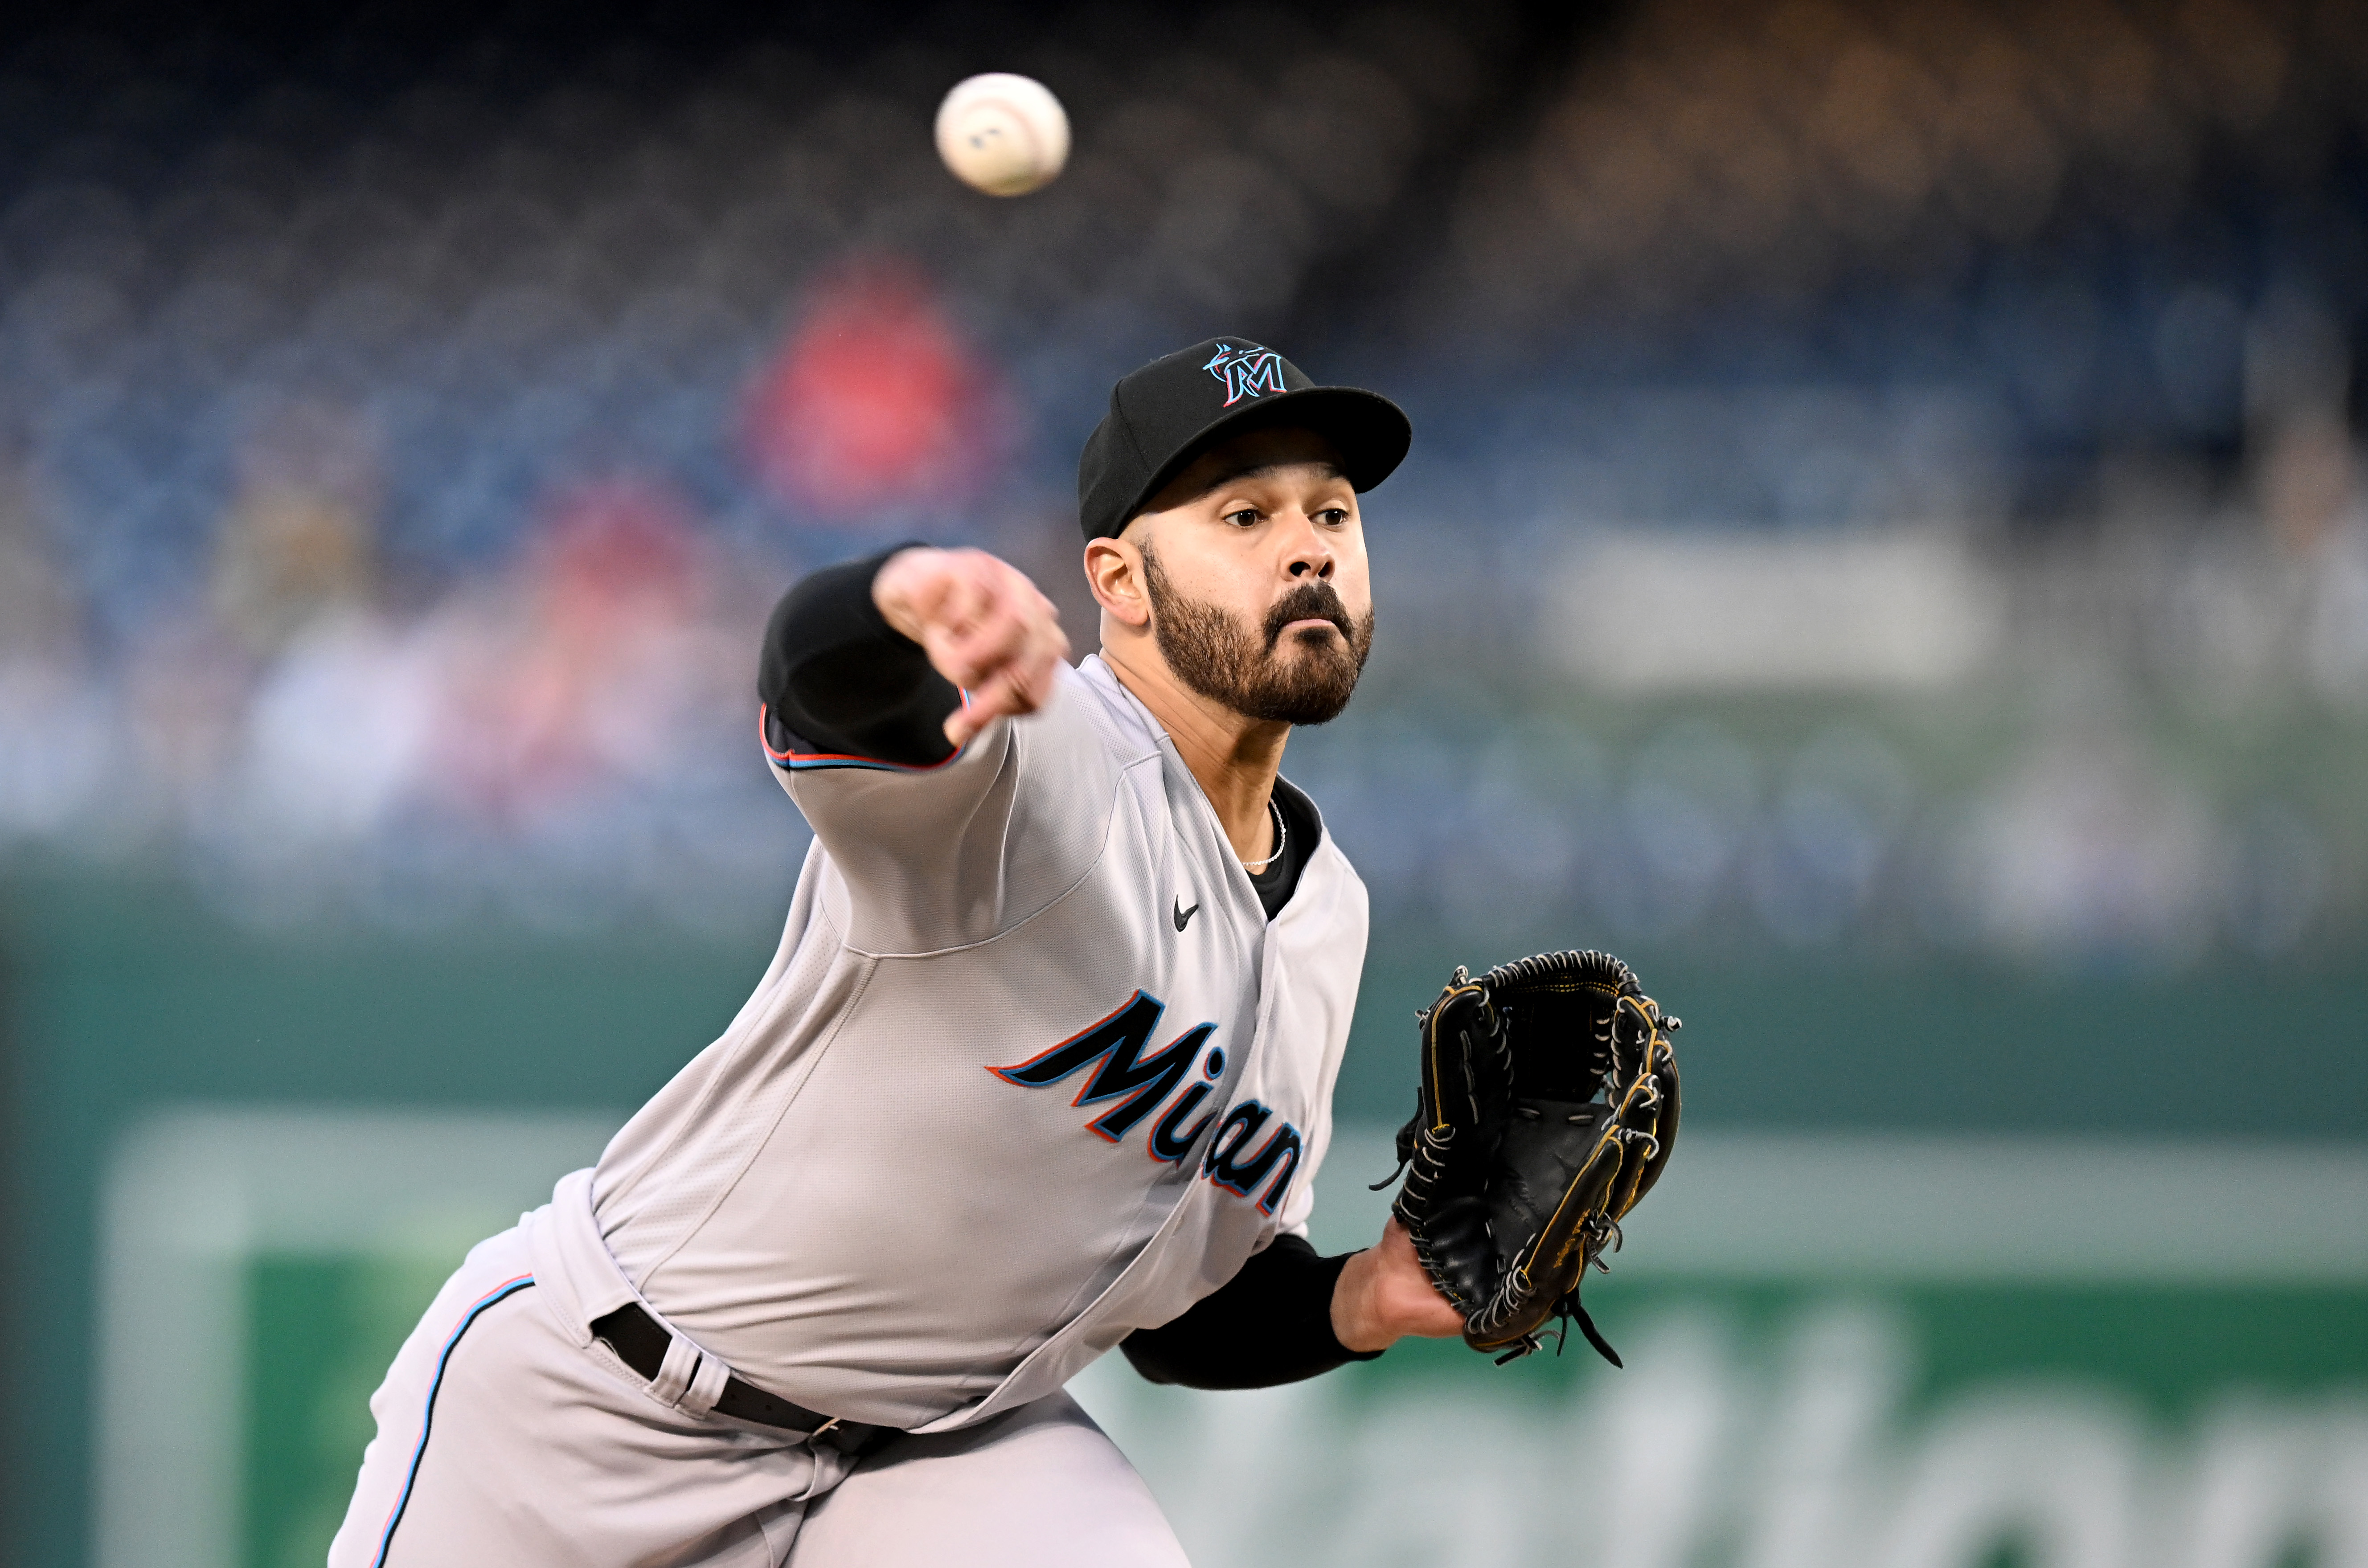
[1114, 572]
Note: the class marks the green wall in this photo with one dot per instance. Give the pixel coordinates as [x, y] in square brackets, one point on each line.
[122, 997]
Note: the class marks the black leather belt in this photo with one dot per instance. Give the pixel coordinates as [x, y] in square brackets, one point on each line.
[641, 1344]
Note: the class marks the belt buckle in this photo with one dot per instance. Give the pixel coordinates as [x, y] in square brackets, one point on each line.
[823, 1427]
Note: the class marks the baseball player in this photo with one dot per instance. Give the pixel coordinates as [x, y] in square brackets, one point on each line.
[1042, 1067]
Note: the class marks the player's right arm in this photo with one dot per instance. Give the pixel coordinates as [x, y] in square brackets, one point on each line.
[888, 687]
[984, 626]
[899, 659]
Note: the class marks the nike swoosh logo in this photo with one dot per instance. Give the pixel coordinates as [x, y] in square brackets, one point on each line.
[1184, 915]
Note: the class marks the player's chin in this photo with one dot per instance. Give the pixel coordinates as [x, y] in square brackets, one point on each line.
[1307, 685]
[1314, 653]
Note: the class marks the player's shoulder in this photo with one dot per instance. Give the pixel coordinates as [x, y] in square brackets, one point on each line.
[1089, 697]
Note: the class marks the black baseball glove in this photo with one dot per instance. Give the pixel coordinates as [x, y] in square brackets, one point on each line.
[1548, 1107]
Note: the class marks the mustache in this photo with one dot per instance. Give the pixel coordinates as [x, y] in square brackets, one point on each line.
[1308, 601]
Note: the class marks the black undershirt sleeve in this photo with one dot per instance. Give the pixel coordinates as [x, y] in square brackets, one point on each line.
[835, 679]
[1270, 1323]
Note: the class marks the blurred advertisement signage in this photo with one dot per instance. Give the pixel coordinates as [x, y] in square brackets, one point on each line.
[1904, 1352]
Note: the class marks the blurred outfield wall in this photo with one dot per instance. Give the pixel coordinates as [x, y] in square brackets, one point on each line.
[1941, 1351]
[2099, 1212]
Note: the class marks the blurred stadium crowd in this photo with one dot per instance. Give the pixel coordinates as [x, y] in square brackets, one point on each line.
[1888, 473]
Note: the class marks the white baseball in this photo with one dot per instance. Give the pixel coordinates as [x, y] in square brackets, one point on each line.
[1007, 135]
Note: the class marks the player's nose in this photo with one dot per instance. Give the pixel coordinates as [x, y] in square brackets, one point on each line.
[1311, 553]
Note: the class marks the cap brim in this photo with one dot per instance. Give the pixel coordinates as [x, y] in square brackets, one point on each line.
[1370, 432]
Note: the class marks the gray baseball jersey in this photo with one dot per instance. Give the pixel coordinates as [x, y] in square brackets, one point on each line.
[1030, 1070]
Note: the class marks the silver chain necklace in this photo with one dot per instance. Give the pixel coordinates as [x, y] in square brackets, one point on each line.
[1282, 837]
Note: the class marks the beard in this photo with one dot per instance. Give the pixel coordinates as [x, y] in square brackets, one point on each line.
[1224, 659]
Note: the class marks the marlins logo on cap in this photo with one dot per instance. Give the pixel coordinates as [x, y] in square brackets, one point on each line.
[1245, 371]
[1162, 415]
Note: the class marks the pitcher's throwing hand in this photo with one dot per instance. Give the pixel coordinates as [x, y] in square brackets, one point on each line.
[984, 625]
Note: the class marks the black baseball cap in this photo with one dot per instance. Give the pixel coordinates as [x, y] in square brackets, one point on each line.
[1172, 410]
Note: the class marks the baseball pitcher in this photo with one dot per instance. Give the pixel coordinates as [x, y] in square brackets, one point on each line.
[1041, 1069]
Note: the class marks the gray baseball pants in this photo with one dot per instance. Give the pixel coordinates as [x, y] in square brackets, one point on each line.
[508, 1436]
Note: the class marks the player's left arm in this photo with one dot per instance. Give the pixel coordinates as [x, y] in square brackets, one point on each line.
[1385, 1295]
[1292, 1314]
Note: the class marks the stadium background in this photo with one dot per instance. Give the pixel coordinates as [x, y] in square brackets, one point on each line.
[1884, 549]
